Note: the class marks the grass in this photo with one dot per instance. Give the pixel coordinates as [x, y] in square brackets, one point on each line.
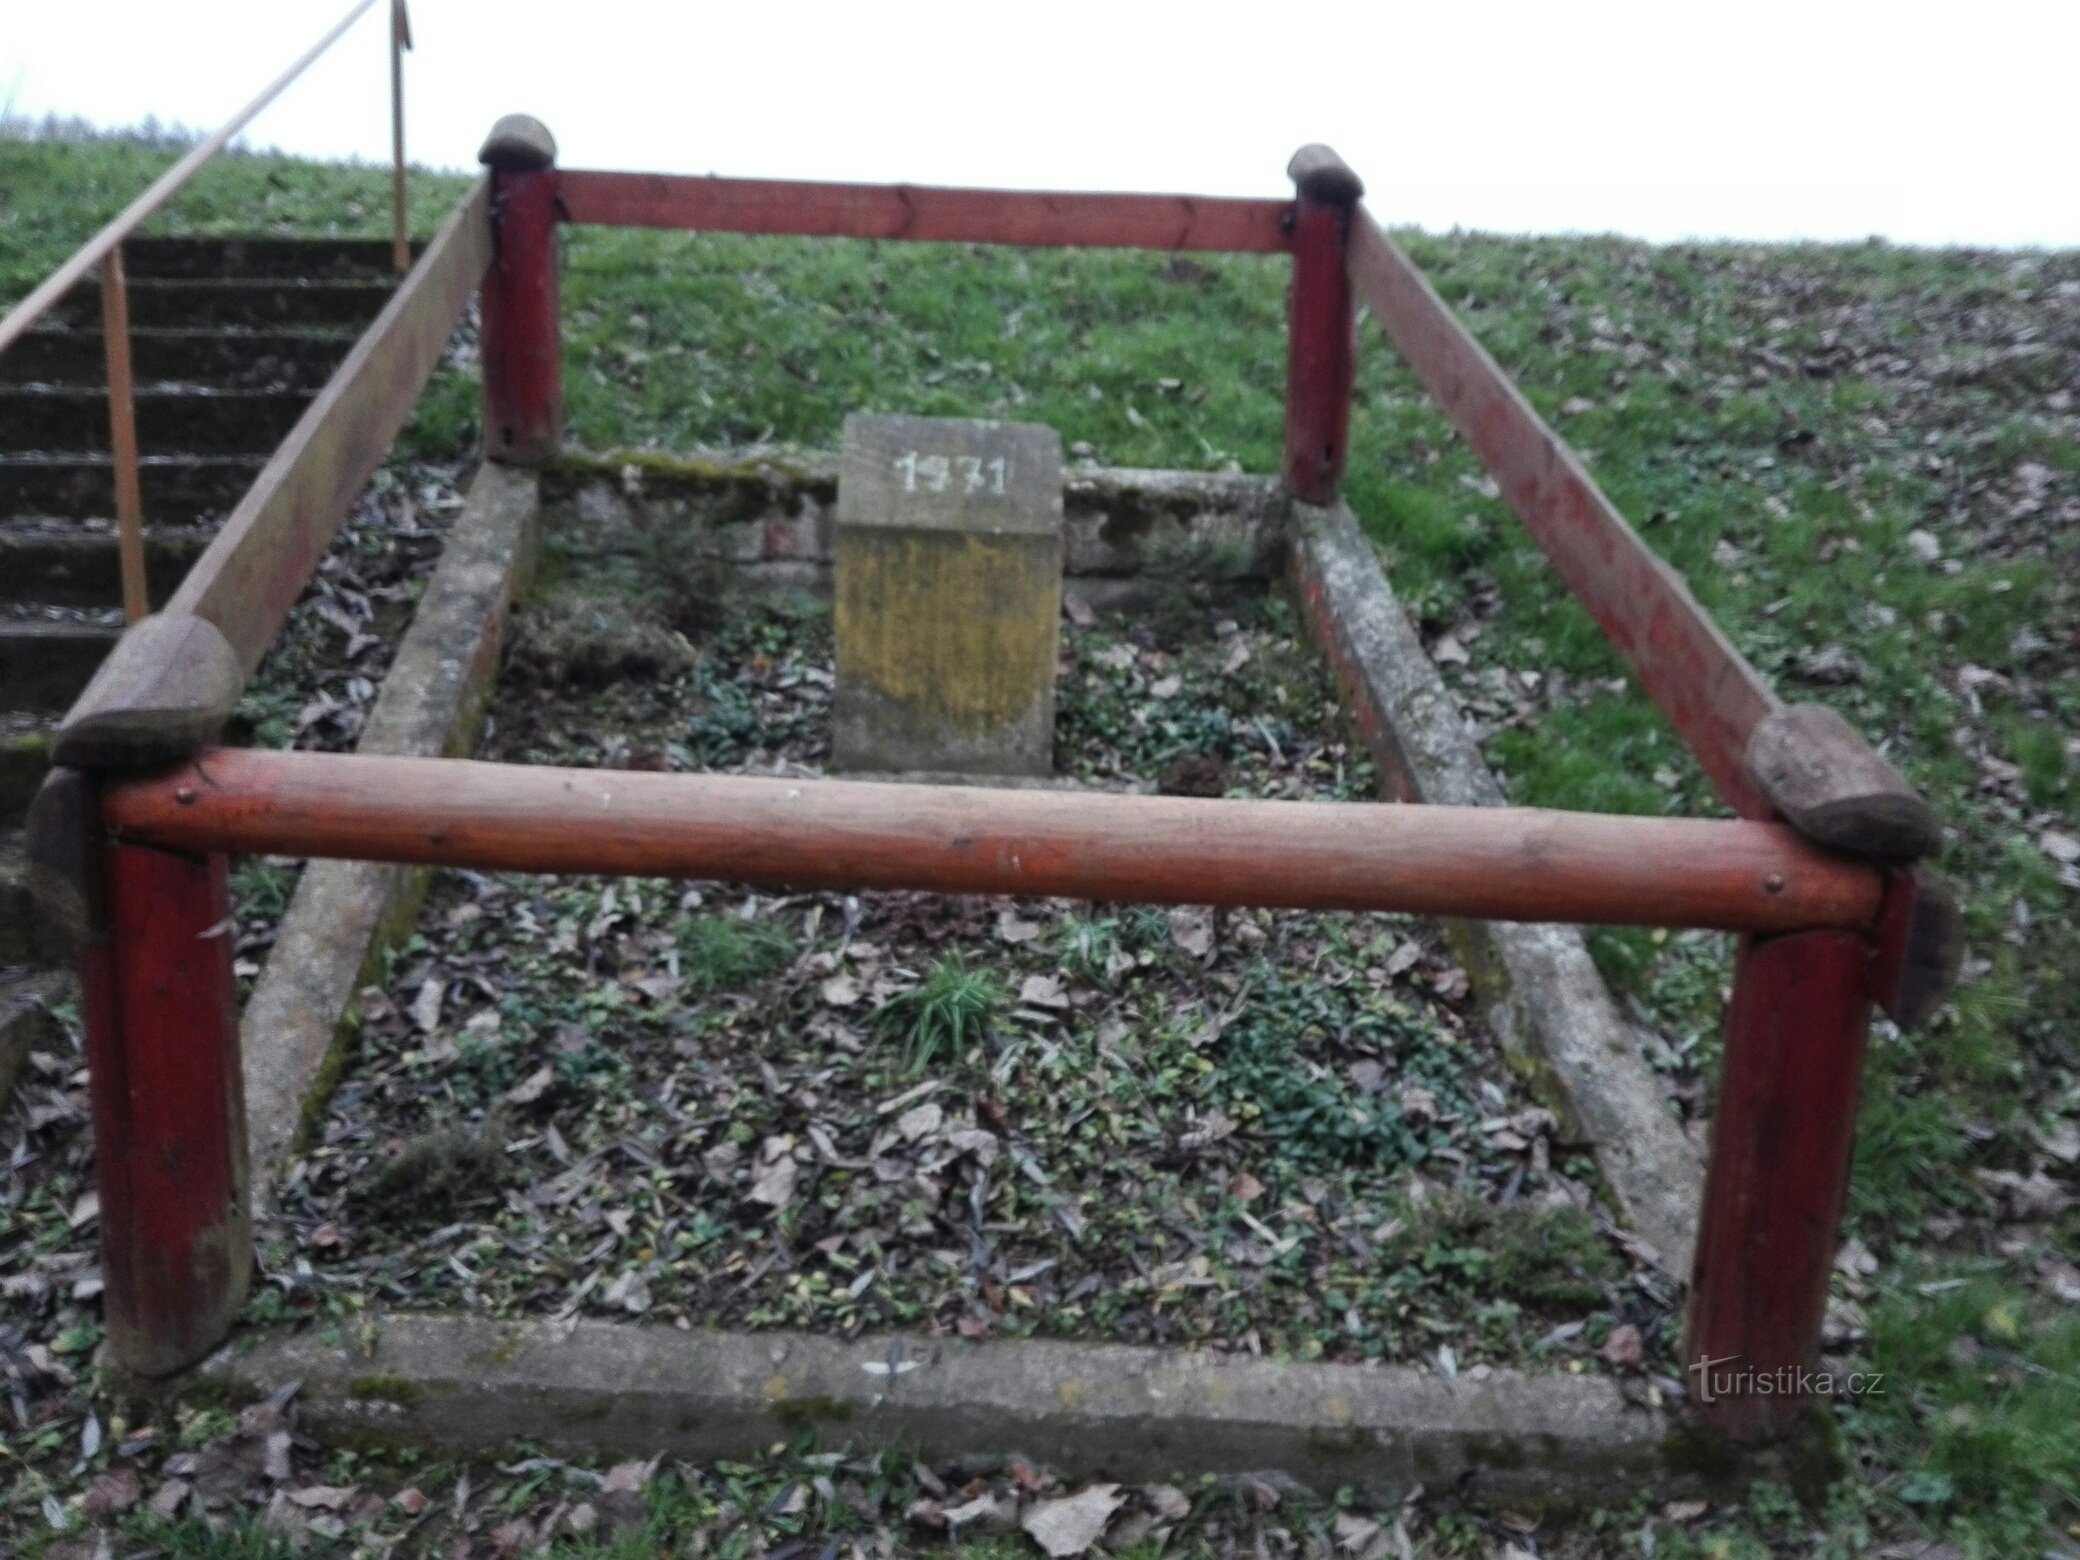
[722, 953]
[953, 1008]
[1746, 407]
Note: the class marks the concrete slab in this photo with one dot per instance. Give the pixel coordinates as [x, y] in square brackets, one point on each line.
[1082, 1409]
[1537, 985]
[344, 913]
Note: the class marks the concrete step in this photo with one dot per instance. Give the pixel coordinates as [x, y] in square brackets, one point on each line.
[213, 422]
[178, 489]
[260, 255]
[45, 663]
[28, 1022]
[25, 757]
[64, 565]
[25, 939]
[256, 301]
[225, 359]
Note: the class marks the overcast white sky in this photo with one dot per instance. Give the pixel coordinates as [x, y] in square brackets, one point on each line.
[1836, 119]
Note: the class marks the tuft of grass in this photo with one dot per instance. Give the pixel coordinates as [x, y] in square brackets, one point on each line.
[587, 639]
[1541, 1257]
[436, 1174]
[953, 1006]
[2047, 768]
[1087, 947]
[724, 952]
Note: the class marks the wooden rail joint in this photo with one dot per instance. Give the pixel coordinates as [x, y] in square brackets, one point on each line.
[1319, 174]
[1820, 775]
[1823, 779]
[518, 143]
[162, 695]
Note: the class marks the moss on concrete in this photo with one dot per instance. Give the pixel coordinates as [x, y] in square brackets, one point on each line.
[398, 1390]
[731, 490]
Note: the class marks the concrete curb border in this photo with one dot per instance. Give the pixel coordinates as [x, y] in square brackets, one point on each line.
[1080, 1409]
[345, 913]
[1537, 985]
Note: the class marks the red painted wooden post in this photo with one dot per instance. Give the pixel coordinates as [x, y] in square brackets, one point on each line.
[523, 343]
[1321, 328]
[1779, 1174]
[168, 1100]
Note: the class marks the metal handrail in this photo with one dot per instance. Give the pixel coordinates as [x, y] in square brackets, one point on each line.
[104, 249]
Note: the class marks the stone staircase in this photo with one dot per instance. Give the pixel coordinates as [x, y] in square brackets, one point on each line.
[230, 340]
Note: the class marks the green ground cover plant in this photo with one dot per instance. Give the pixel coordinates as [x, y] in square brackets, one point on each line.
[1866, 461]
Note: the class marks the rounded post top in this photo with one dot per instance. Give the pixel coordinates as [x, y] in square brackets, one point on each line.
[1321, 175]
[518, 143]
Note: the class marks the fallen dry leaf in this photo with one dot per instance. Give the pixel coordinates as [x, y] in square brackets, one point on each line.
[1623, 1349]
[1070, 1526]
[774, 1184]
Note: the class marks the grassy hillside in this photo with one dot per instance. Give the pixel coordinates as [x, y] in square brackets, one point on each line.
[1865, 459]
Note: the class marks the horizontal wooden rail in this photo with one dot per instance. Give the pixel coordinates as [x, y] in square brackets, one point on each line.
[1709, 692]
[1480, 862]
[925, 213]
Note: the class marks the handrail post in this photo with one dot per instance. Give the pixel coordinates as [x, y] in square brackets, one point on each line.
[400, 219]
[1778, 1177]
[1321, 331]
[122, 434]
[523, 346]
[154, 935]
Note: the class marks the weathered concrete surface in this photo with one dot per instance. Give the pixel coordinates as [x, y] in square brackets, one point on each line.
[27, 1023]
[25, 758]
[194, 487]
[44, 664]
[1082, 1409]
[27, 936]
[344, 913]
[71, 567]
[948, 597]
[1537, 984]
[773, 521]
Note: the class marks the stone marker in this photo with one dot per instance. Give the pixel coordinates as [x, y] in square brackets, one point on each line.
[949, 595]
